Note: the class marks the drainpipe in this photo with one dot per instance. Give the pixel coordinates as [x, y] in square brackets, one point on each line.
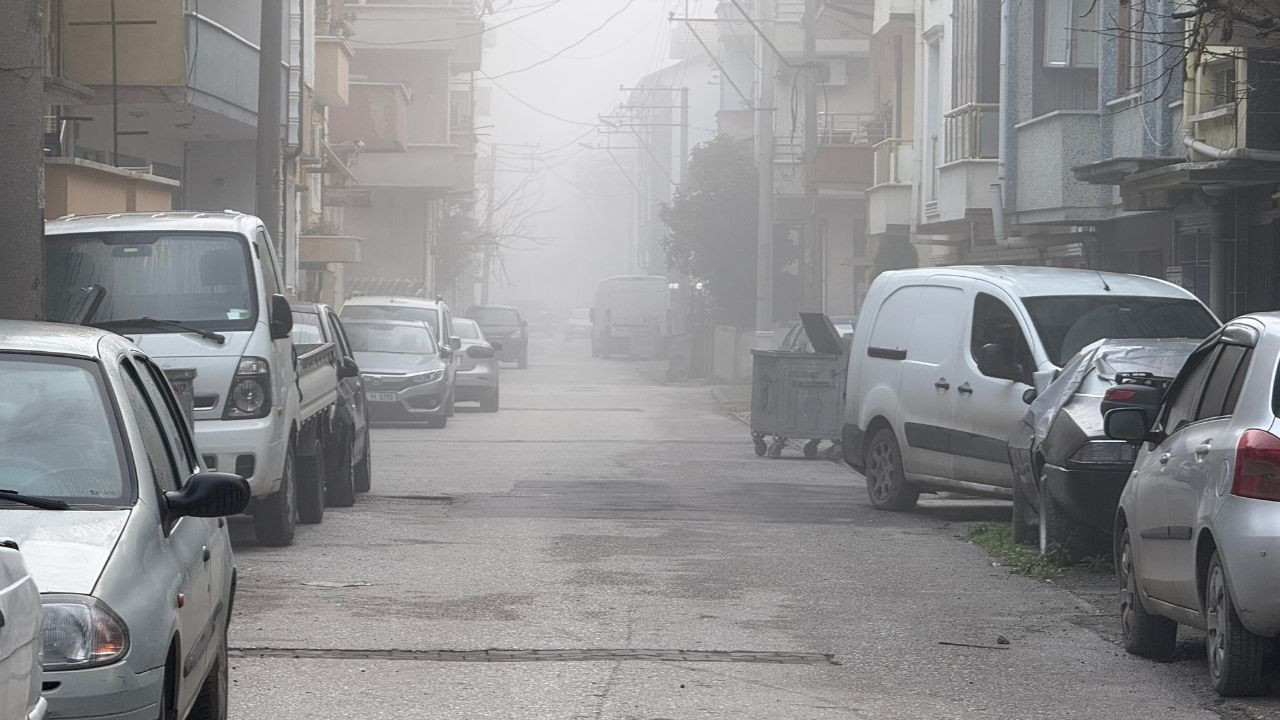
[1235, 153]
[997, 188]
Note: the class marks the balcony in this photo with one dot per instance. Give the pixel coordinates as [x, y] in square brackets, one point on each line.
[325, 249]
[889, 199]
[377, 115]
[431, 167]
[1046, 190]
[81, 187]
[446, 26]
[886, 12]
[464, 173]
[972, 132]
[845, 154]
[333, 71]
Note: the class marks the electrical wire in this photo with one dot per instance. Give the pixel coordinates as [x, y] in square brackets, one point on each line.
[570, 46]
[489, 28]
[534, 108]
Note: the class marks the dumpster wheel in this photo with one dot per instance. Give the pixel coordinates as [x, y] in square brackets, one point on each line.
[761, 446]
[775, 447]
[811, 448]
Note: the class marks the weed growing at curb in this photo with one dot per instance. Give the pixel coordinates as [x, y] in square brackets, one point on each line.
[997, 539]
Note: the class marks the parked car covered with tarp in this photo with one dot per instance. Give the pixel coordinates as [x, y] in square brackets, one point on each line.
[1067, 474]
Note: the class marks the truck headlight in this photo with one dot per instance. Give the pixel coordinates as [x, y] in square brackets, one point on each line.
[250, 393]
[79, 631]
[1104, 452]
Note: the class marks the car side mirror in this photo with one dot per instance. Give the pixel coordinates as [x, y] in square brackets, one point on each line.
[446, 352]
[1029, 395]
[1129, 424]
[281, 317]
[207, 495]
[524, 323]
[455, 343]
[480, 352]
[348, 368]
[496, 345]
[991, 362]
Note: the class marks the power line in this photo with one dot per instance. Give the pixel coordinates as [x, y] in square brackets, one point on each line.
[425, 41]
[571, 46]
[534, 108]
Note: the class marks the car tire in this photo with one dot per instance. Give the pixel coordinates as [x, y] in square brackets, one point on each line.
[450, 409]
[887, 484]
[437, 422]
[523, 362]
[1237, 657]
[311, 487]
[275, 517]
[211, 703]
[492, 401]
[364, 471]
[1144, 634]
[1023, 532]
[340, 485]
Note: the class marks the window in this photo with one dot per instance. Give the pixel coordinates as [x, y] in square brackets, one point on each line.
[340, 335]
[396, 339]
[171, 416]
[270, 278]
[1220, 81]
[428, 315]
[1067, 323]
[306, 329]
[1071, 33]
[164, 470]
[935, 329]
[1129, 46]
[1222, 389]
[1187, 389]
[994, 323]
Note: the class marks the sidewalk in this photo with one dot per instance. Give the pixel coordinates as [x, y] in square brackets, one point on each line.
[734, 400]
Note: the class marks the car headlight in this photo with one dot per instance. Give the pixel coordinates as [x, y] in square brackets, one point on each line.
[424, 378]
[79, 631]
[250, 393]
[1105, 452]
[517, 334]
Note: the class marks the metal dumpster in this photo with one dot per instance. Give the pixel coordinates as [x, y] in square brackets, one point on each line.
[797, 395]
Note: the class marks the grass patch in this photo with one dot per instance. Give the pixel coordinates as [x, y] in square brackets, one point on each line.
[997, 539]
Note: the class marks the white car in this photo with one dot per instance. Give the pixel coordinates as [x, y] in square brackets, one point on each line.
[1198, 529]
[20, 616]
[944, 360]
[120, 525]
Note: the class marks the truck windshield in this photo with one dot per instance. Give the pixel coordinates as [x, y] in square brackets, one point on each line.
[1068, 323]
[200, 279]
[58, 435]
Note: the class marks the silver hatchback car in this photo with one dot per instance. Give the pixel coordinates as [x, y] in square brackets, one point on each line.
[104, 492]
[1198, 528]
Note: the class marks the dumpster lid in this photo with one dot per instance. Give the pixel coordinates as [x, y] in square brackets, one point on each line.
[822, 333]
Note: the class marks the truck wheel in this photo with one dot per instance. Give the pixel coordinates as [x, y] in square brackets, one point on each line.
[276, 516]
[311, 476]
[1237, 657]
[364, 471]
[886, 479]
[1144, 634]
[340, 484]
[1023, 534]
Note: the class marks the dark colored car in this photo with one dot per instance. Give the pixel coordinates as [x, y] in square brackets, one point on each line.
[503, 323]
[349, 465]
[1067, 474]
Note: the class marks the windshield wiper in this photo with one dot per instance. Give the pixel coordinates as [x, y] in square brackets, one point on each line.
[206, 334]
[43, 503]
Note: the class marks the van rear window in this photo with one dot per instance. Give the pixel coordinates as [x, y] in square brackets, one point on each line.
[1067, 323]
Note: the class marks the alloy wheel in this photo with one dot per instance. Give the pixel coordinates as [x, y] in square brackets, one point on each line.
[1128, 590]
[880, 471]
[1215, 619]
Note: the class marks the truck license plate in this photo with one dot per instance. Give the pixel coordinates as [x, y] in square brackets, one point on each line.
[381, 397]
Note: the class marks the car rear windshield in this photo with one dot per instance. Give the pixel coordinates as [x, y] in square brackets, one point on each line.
[466, 330]
[495, 316]
[394, 312]
[202, 279]
[58, 433]
[398, 339]
[1067, 323]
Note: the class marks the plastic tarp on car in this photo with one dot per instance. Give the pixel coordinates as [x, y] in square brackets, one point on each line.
[1162, 358]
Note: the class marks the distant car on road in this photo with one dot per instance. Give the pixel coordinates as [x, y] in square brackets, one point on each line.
[20, 640]
[578, 327]
[1198, 529]
[479, 376]
[1067, 474]
[504, 324]
[406, 373]
[107, 496]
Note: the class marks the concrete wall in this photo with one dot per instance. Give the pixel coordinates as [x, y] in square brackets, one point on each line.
[1049, 147]
[219, 176]
[396, 232]
[426, 74]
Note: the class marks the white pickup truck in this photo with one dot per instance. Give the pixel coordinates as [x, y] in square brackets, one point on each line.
[202, 292]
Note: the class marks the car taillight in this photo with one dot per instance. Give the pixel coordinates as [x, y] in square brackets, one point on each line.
[1119, 394]
[1257, 473]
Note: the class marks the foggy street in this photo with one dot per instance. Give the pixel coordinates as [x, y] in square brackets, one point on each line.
[603, 524]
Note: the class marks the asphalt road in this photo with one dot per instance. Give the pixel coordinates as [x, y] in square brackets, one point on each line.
[610, 547]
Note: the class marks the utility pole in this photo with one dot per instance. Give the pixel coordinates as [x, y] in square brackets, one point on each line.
[21, 162]
[486, 262]
[270, 97]
[684, 132]
[812, 280]
[764, 164]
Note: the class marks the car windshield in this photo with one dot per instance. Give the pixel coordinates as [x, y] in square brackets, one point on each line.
[201, 279]
[495, 316]
[58, 435]
[398, 339]
[306, 329]
[466, 330]
[430, 316]
[1068, 323]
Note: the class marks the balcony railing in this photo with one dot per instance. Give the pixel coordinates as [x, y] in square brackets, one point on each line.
[893, 161]
[833, 129]
[972, 132]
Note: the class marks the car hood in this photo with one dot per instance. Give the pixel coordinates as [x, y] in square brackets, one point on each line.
[188, 345]
[65, 550]
[377, 363]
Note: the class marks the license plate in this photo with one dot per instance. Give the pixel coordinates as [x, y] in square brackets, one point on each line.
[381, 397]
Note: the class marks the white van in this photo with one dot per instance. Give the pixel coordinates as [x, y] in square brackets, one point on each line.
[632, 315]
[944, 361]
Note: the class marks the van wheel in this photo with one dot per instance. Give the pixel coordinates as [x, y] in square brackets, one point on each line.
[340, 485]
[1023, 534]
[311, 470]
[211, 703]
[275, 518]
[1144, 634]
[886, 480]
[364, 471]
[1237, 657]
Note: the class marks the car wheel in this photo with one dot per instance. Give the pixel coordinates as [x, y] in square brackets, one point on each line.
[211, 703]
[1023, 533]
[1144, 634]
[449, 409]
[275, 518]
[886, 479]
[492, 401]
[1237, 657]
[311, 475]
[340, 485]
[364, 471]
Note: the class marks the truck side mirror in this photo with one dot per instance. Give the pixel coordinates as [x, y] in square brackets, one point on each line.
[281, 317]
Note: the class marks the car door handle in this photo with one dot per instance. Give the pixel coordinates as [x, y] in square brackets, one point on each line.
[205, 554]
[1164, 459]
[942, 384]
[1203, 448]
[965, 389]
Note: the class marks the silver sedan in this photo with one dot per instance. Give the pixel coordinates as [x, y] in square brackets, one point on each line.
[478, 379]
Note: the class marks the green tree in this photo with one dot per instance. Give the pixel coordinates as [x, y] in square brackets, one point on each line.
[711, 223]
[894, 254]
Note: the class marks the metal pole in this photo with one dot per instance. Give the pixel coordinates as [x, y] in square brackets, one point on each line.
[115, 93]
[21, 164]
[269, 157]
[813, 282]
[684, 132]
[764, 165]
